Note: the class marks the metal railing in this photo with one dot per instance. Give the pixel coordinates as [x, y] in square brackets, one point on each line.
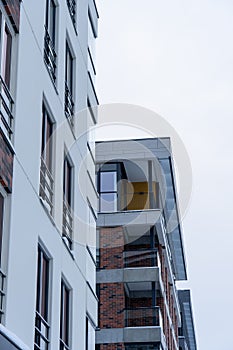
[72, 9]
[69, 106]
[2, 293]
[67, 227]
[46, 186]
[63, 345]
[6, 108]
[50, 55]
[143, 317]
[141, 258]
[41, 333]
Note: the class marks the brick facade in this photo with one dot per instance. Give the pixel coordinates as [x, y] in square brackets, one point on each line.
[6, 164]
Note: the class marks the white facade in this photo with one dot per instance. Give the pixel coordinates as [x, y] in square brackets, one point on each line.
[30, 223]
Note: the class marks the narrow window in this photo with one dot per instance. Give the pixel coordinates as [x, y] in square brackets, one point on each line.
[2, 275]
[65, 317]
[50, 38]
[67, 200]
[69, 100]
[90, 335]
[46, 177]
[108, 190]
[6, 56]
[42, 302]
[1, 223]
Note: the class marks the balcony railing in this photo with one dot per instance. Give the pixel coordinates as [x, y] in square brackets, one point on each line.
[67, 229]
[141, 258]
[50, 55]
[72, 9]
[63, 345]
[69, 106]
[143, 317]
[2, 293]
[41, 333]
[6, 108]
[46, 186]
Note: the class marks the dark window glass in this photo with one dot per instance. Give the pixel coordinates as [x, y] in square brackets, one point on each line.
[42, 302]
[50, 20]
[46, 145]
[67, 181]
[69, 69]
[6, 56]
[64, 317]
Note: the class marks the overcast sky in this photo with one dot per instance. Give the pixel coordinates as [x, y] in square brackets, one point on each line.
[176, 58]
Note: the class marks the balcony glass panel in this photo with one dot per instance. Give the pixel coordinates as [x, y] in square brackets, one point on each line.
[141, 258]
[143, 317]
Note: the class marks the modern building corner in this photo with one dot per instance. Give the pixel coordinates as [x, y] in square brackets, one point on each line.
[141, 254]
[47, 217]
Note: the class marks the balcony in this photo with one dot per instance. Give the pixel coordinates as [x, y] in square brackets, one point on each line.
[72, 9]
[41, 333]
[67, 227]
[69, 106]
[46, 186]
[141, 258]
[6, 109]
[50, 55]
[2, 293]
[143, 317]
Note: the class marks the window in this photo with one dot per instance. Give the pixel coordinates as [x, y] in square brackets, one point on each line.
[42, 302]
[67, 200]
[69, 71]
[50, 38]
[46, 178]
[1, 222]
[90, 335]
[6, 55]
[72, 9]
[65, 317]
[6, 100]
[108, 188]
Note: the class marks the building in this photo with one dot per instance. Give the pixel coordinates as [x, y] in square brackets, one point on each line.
[187, 338]
[141, 254]
[47, 275]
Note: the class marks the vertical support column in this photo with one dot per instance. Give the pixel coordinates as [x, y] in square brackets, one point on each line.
[150, 186]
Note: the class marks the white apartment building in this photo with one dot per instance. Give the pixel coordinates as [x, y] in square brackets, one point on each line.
[48, 200]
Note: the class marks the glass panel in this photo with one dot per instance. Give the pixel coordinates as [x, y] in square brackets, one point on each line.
[6, 59]
[1, 222]
[108, 202]
[108, 181]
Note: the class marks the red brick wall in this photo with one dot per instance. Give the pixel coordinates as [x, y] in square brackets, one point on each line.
[6, 165]
[111, 248]
[112, 305]
[12, 8]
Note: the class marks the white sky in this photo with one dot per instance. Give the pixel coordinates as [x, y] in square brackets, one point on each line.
[176, 58]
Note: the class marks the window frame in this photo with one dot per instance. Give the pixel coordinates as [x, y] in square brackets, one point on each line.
[42, 309]
[65, 344]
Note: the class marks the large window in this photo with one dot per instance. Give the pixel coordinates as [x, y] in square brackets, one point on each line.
[69, 72]
[108, 188]
[50, 54]
[67, 200]
[42, 302]
[46, 178]
[65, 317]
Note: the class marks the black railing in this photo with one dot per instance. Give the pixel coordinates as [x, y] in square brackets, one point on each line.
[46, 186]
[143, 317]
[6, 108]
[67, 227]
[50, 55]
[63, 345]
[69, 106]
[41, 333]
[2, 293]
[72, 9]
[141, 258]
